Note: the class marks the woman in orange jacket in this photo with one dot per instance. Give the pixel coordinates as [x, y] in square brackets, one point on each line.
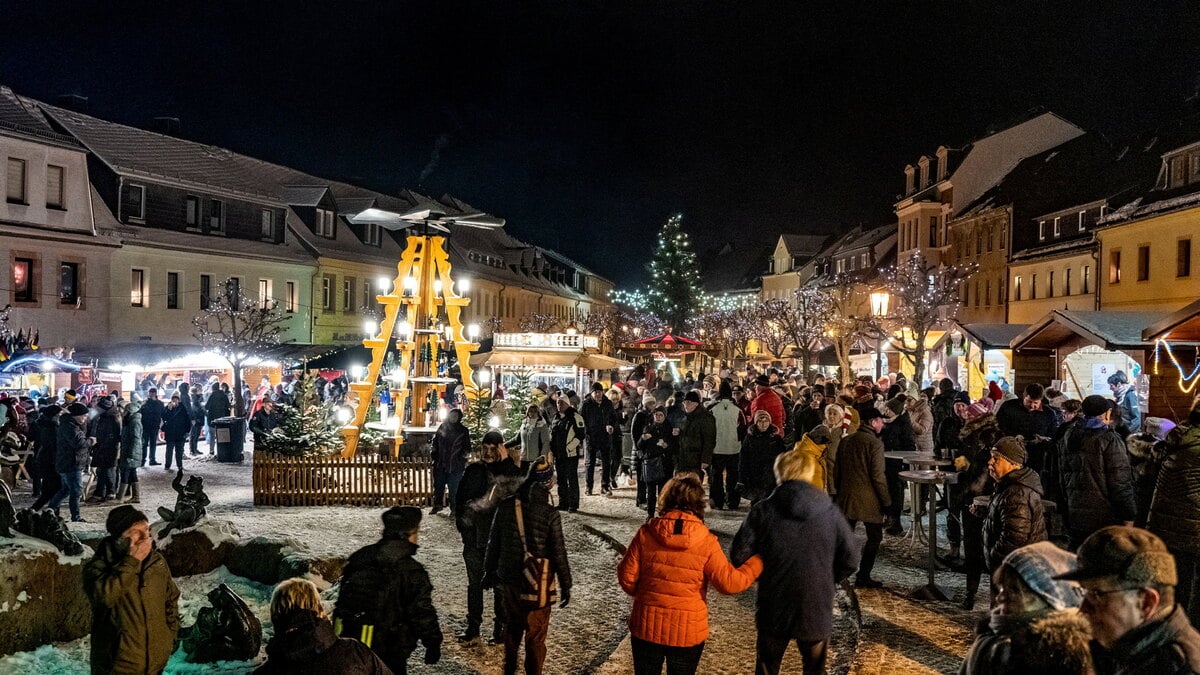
[667, 569]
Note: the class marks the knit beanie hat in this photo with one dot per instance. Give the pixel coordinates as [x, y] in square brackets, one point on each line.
[1038, 564]
[1095, 406]
[104, 403]
[122, 518]
[896, 404]
[401, 521]
[541, 471]
[76, 409]
[596, 386]
[976, 409]
[1012, 449]
[693, 396]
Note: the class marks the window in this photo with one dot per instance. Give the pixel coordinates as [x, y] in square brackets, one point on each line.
[977, 294]
[172, 290]
[368, 298]
[68, 283]
[1176, 166]
[191, 211]
[1000, 291]
[978, 242]
[1041, 230]
[325, 223]
[373, 235]
[16, 181]
[1003, 236]
[137, 288]
[216, 215]
[989, 240]
[1082, 214]
[841, 266]
[1050, 285]
[23, 280]
[1085, 280]
[1183, 258]
[1033, 287]
[54, 186]
[987, 294]
[1143, 263]
[1194, 174]
[268, 224]
[932, 231]
[264, 293]
[233, 293]
[135, 202]
[1067, 281]
[864, 261]
[1058, 227]
[292, 299]
[327, 293]
[348, 294]
[205, 290]
[1114, 267]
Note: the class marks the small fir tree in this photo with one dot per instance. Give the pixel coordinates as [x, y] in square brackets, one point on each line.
[476, 414]
[308, 428]
[519, 397]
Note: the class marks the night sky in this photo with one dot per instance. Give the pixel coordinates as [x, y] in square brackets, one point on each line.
[587, 123]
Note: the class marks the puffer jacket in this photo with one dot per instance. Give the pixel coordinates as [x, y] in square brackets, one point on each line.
[73, 446]
[862, 490]
[697, 438]
[505, 556]
[667, 569]
[976, 440]
[1015, 515]
[921, 417]
[1097, 481]
[135, 609]
[756, 463]
[1054, 642]
[131, 436]
[106, 428]
[304, 643]
[771, 402]
[1175, 509]
[46, 428]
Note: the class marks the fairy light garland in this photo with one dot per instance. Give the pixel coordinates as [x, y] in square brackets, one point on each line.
[1187, 382]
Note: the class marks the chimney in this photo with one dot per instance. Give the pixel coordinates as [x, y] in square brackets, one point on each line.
[165, 125]
[74, 102]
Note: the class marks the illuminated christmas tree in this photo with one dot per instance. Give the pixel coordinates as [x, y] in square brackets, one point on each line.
[674, 292]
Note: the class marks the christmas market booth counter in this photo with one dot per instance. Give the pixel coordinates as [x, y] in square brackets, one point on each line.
[23, 370]
[1079, 350]
[562, 359]
[976, 353]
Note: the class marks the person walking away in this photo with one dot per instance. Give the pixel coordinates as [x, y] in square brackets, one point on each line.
[526, 525]
[757, 458]
[533, 438]
[1096, 478]
[135, 603]
[862, 492]
[1015, 517]
[657, 448]
[449, 449]
[667, 569]
[386, 598]
[942, 407]
[1125, 394]
[1128, 578]
[807, 549]
[920, 415]
[1147, 450]
[130, 457]
[697, 437]
[484, 484]
[724, 478]
[566, 438]
[1036, 626]
[71, 458]
[304, 641]
[152, 416]
[46, 428]
[106, 428]
[198, 415]
[216, 407]
[1175, 511]
[176, 427]
[897, 436]
[637, 427]
[600, 419]
[974, 451]
[765, 398]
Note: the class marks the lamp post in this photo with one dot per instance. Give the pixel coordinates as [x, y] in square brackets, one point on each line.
[879, 310]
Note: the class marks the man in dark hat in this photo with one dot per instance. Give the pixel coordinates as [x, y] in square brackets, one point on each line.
[600, 420]
[1015, 517]
[697, 436]
[1096, 478]
[1128, 580]
[71, 458]
[862, 491]
[135, 604]
[386, 598]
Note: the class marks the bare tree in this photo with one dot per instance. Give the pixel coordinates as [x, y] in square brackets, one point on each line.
[921, 300]
[240, 329]
[772, 330]
[537, 322]
[605, 324]
[848, 321]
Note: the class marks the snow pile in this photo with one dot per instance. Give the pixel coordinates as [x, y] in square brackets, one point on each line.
[217, 531]
[31, 548]
[69, 658]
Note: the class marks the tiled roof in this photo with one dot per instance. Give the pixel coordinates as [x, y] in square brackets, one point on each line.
[804, 244]
[19, 116]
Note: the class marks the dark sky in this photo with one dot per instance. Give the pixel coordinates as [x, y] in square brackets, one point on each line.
[587, 123]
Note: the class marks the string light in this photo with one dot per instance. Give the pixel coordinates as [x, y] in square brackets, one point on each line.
[1187, 382]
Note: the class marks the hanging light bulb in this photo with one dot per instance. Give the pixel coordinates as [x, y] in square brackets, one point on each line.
[473, 331]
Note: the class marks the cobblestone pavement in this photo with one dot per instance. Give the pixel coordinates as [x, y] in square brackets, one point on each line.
[900, 635]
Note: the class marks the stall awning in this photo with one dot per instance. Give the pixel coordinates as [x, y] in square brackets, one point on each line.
[530, 359]
[1111, 330]
[339, 357]
[1182, 327]
[148, 355]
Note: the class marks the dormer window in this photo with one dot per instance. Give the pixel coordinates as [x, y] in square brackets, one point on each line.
[924, 166]
[909, 177]
[268, 224]
[324, 223]
[1057, 227]
[1041, 230]
[216, 215]
[372, 234]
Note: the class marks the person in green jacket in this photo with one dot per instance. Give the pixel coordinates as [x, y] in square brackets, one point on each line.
[135, 603]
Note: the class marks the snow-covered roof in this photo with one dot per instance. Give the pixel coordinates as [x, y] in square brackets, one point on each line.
[1105, 328]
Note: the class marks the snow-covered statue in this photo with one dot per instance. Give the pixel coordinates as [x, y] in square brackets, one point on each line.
[190, 504]
[227, 631]
[45, 525]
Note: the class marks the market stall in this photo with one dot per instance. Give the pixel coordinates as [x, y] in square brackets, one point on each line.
[561, 359]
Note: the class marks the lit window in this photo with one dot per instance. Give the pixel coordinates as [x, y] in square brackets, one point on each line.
[1114, 267]
[264, 293]
[137, 288]
[1086, 281]
[23, 275]
[293, 298]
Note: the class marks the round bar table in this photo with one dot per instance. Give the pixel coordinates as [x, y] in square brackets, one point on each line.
[932, 479]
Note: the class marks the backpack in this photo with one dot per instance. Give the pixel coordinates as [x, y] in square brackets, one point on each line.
[538, 589]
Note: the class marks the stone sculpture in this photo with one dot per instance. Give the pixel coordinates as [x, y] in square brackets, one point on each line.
[190, 504]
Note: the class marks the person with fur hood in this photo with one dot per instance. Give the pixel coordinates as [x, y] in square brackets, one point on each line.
[1146, 451]
[1174, 511]
[1036, 627]
[979, 434]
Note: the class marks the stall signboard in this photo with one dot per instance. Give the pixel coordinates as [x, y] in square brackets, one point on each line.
[1100, 374]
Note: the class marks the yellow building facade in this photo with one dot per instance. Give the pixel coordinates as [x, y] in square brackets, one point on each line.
[1151, 263]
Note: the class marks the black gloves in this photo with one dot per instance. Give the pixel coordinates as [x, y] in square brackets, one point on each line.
[433, 654]
[564, 598]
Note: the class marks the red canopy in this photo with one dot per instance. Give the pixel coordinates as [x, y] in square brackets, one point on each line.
[668, 341]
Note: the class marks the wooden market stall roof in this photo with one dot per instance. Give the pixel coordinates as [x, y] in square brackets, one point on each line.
[1182, 326]
[1111, 330]
[990, 335]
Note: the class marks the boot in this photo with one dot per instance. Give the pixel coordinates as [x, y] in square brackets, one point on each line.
[124, 494]
[137, 495]
[972, 589]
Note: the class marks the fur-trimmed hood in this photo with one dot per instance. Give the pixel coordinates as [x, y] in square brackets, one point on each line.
[1055, 643]
[978, 424]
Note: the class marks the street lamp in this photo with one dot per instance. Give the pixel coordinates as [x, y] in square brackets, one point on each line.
[879, 309]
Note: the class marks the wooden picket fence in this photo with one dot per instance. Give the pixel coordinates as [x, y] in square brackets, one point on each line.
[280, 480]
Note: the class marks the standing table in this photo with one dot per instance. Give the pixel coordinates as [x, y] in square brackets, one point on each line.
[932, 479]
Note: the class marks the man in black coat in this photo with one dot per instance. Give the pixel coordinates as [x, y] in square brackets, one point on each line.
[806, 548]
[600, 419]
[1032, 418]
[71, 458]
[46, 428]
[106, 429]
[506, 566]
[1015, 517]
[1096, 478]
[216, 407]
[386, 598]
[450, 447]
[152, 417]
